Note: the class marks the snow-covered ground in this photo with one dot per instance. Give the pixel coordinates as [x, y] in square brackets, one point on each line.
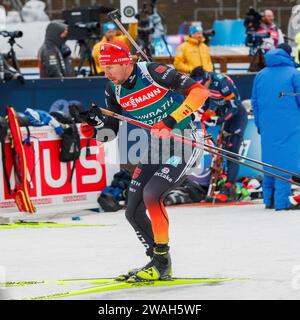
[242, 242]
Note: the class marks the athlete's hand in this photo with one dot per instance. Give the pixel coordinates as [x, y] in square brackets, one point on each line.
[296, 179]
[95, 117]
[212, 121]
[209, 118]
[162, 129]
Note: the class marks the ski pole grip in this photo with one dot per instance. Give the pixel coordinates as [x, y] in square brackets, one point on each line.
[115, 14]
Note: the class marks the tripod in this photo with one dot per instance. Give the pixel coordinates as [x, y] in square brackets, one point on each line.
[86, 54]
[258, 61]
[10, 56]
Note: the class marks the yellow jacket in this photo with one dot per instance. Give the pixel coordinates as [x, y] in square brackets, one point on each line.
[132, 30]
[191, 54]
[297, 40]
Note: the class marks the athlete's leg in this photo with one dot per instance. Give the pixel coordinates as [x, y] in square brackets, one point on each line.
[136, 211]
[164, 179]
[233, 145]
[235, 129]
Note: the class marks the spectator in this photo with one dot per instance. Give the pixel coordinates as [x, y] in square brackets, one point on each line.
[110, 34]
[54, 55]
[193, 52]
[276, 36]
[278, 122]
[297, 54]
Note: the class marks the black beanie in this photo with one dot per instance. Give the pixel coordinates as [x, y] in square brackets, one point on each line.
[285, 47]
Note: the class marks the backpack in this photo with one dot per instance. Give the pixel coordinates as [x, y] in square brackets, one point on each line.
[109, 203]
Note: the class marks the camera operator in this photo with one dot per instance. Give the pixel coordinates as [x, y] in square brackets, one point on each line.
[276, 36]
[54, 56]
[261, 31]
[110, 34]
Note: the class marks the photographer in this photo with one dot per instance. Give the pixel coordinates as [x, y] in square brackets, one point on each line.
[261, 31]
[110, 34]
[55, 56]
[276, 36]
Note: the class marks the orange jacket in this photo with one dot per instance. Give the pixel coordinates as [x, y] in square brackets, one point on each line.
[132, 30]
[191, 54]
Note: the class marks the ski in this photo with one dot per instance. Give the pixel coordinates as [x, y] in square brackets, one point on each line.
[36, 224]
[21, 192]
[104, 285]
[217, 204]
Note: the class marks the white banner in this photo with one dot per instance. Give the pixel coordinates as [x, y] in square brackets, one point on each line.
[128, 9]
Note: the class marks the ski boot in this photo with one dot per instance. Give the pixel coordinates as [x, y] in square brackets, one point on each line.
[126, 276]
[132, 272]
[159, 268]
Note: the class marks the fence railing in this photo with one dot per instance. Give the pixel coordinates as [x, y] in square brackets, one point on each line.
[223, 60]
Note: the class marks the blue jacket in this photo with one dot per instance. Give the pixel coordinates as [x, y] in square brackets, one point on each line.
[278, 119]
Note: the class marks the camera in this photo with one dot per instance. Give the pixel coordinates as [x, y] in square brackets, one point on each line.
[150, 25]
[84, 22]
[208, 34]
[255, 34]
[252, 19]
[90, 26]
[11, 34]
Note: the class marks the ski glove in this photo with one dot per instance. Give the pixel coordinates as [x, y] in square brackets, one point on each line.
[163, 128]
[95, 117]
[212, 121]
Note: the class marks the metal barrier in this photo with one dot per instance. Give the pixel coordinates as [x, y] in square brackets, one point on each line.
[223, 60]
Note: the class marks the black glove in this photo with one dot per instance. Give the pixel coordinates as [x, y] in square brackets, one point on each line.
[95, 117]
[296, 179]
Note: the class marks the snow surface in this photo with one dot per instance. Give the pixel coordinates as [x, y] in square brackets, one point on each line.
[237, 241]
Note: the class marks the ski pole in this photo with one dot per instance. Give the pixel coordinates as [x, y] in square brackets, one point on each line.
[230, 153]
[115, 16]
[274, 175]
[289, 94]
[255, 161]
[195, 144]
[216, 165]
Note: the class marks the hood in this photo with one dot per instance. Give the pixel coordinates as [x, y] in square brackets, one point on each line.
[53, 32]
[279, 57]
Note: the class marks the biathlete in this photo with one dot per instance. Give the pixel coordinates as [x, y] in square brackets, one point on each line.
[159, 96]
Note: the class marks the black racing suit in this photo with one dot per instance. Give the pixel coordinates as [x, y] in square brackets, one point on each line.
[151, 181]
